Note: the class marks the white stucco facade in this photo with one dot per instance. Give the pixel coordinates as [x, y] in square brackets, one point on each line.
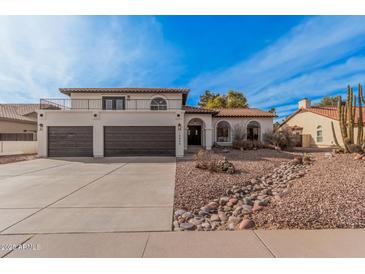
[107, 118]
[137, 115]
[265, 123]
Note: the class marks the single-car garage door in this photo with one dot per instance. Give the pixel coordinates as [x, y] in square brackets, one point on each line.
[70, 141]
[139, 141]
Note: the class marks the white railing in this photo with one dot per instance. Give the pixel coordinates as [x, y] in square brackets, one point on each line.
[98, 104]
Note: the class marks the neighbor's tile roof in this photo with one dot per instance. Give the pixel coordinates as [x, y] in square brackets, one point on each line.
[243, 112]
[190, 109]
[68, 91]
[332, 112]
[329, 112]
[18, 112]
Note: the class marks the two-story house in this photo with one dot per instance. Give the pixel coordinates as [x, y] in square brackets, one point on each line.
[102, 122]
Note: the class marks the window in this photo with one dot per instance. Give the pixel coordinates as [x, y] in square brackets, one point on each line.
[253, 131]
[223, 131]
[113, 103]
[319, 134]
[158, 104]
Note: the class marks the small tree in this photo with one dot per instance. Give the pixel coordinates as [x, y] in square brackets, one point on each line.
[235, 99]
[328, 101]
[207, 97]
[217, 102]
[272, 110]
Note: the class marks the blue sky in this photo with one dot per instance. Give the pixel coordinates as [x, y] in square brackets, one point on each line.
[274, 60]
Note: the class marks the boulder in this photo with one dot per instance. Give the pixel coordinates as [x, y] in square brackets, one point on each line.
[223, 200]
[187, 226]
[212, 206]
[234, 220]
[179, 212]
[257, 207]
[214, 218]
[222, 216]
[246, 224]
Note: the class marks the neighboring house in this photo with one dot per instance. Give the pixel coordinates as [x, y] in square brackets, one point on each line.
[18, 122]
[313, 123]
[136, 122]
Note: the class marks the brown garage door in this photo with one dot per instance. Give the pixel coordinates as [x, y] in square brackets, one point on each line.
[139, 141]
[70, 141]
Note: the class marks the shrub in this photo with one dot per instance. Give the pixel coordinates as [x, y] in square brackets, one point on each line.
[213, 162]
[354, 148]
[238, 133]
[283, 138]
[240, 142]
[247, 145]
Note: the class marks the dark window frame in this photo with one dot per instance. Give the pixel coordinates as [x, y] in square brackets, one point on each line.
[114, 102]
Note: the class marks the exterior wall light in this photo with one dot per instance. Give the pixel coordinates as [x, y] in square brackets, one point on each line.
[179, 126]
[40, 127]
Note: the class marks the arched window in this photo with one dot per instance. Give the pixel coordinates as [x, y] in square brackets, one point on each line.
[223, 132]
[253, 131]
[319, 134]
[158, 103]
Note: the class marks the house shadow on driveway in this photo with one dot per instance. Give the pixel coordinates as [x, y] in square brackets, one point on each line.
[116, 160]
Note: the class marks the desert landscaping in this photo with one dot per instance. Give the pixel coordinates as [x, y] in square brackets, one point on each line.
[271, 189]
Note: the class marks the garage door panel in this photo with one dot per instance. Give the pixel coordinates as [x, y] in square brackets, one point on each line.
[64, 141]
[139, 141]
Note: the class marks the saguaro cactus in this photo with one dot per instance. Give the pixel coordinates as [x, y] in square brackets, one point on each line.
[360, 126]
[346, 118]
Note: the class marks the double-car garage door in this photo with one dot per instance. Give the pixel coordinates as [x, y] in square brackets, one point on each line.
[118, 141]
[139, 141]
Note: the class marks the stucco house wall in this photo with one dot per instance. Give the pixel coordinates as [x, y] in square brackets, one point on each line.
[310, 121]
[266, 125]
[17, 127]
[134, 101]
[106, 118]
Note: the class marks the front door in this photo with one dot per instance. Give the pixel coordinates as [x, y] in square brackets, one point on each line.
[194, 135]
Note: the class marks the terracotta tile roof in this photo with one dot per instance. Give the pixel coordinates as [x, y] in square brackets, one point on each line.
[68, 91]
[189, 109]
[243, 112]
[18, 112]
[330, 112]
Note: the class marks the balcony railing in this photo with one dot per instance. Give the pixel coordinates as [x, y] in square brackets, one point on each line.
[98, 104]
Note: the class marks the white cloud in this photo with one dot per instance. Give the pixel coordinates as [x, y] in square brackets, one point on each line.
[314, 59]
[39, 54]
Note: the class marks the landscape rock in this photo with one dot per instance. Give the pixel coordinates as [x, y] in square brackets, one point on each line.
[257, 207]
[214, 217]
[187, 226]
[179, 212]
[240, 204]
[246, 224]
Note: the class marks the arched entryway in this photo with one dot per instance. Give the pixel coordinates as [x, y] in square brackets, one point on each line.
[195, 132]
[253, 131]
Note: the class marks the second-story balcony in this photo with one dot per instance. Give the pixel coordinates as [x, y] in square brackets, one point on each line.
[112, 103]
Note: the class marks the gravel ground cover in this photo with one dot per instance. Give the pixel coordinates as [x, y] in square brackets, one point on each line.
[16, 158]
[194, 187]
[331, 195]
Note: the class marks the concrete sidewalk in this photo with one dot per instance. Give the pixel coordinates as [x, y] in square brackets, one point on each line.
[240, 244]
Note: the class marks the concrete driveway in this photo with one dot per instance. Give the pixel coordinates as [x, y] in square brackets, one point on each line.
[87, 195]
